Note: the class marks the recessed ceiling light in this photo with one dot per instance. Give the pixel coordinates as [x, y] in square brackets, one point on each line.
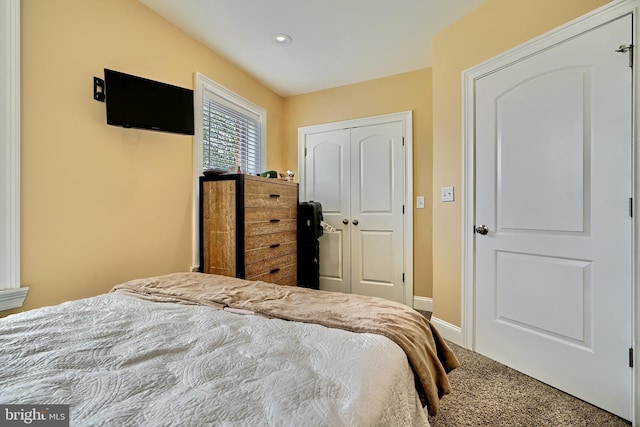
[282, 39]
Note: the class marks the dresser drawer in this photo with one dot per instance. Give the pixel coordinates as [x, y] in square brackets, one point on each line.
[266, 240]
[270, 195]
[277, 226]
[269, 266]
[265, 253]
[285, 276]
[288, 281]
[265, 215]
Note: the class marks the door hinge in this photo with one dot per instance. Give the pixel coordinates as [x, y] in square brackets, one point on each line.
[631, 207]
[402, 209]
[305, 151]
[402, 277]
[631, 358]
[627, 48]
[403, 141]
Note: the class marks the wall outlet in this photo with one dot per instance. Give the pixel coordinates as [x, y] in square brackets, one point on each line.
[420, 202]
[446, 194]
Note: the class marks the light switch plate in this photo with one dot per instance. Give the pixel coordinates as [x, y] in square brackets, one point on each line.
[446, 194]
[420, 202]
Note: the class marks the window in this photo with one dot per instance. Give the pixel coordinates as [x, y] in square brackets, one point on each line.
[231, 136]
[232, 129]
[230, 132]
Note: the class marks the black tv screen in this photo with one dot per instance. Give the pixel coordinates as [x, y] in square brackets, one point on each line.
[136, 102]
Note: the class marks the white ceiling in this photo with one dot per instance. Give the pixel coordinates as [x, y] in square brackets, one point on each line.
[335, 42]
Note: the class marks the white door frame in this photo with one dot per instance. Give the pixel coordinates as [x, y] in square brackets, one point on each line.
[406, 118]
[11, 294]
[600, 16]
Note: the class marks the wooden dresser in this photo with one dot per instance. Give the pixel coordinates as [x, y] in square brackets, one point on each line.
[248, 227]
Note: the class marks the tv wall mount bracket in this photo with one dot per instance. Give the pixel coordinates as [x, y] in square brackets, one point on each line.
[98, 89]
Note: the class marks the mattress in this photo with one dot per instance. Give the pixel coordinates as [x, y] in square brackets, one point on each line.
[120, 360]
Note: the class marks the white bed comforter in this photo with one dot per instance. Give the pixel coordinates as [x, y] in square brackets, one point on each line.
[122, 361]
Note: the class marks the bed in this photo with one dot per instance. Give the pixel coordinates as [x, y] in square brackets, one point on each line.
[194, 349]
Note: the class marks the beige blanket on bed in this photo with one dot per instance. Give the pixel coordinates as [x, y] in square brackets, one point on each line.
[430, 357]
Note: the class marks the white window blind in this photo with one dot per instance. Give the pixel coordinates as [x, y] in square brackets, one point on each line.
[231, 136]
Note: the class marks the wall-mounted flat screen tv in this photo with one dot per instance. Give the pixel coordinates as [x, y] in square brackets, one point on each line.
[136, 102]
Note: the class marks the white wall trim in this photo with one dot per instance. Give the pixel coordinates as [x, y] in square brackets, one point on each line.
[423, 303]
[448, 331]
[12, 298]
[406, 118]
[600, 16]
[12, 295]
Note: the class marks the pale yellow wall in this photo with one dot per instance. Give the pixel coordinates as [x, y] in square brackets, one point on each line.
[403, 92]
[492, 28]
[103, 204]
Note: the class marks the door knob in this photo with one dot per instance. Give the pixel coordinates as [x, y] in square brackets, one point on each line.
[482, 229]
[355, 222]
[345, 221]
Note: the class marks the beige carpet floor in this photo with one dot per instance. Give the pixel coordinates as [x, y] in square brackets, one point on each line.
[486, 393]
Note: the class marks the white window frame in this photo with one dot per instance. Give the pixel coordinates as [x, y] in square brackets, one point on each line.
[203, 84]
[11, 294]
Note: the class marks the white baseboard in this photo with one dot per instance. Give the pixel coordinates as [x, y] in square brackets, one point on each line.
[448, 331]
[423, 303]
[12, 298]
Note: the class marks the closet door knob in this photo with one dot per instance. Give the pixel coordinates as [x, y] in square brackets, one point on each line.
[345, 221]
[355, 222]
[482, 229]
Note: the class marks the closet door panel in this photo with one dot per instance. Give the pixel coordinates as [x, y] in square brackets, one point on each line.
[377, 219]
[327, 167]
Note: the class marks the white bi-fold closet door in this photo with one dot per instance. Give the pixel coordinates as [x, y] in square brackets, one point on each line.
[357, 174]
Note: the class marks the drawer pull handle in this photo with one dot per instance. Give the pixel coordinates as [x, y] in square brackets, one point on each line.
[275, 245]
[274, 196]
[274, 220]
[275, 270]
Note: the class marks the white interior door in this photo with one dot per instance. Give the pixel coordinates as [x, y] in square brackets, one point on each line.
[553, 187]
[357, 175]
[327, 180]
[377, 189]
